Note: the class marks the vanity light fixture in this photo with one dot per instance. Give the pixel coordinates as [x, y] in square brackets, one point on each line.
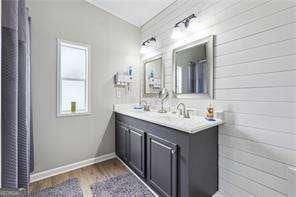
[145, 45]
[179, 27]
[177, 32]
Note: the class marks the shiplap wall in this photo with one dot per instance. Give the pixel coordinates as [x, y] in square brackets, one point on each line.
[255, 84]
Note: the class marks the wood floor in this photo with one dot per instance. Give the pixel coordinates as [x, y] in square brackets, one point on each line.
[86, 176]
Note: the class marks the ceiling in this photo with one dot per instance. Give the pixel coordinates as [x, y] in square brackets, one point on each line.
[136, 12]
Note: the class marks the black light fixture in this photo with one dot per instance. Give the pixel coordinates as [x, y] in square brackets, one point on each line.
[144, 47]
[178, 28]
[186, 20]
[152, 39]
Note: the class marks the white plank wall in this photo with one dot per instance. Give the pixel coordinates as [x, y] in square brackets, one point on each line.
[255, 84]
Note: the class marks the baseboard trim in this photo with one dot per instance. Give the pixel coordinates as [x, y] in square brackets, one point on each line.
[62, 169]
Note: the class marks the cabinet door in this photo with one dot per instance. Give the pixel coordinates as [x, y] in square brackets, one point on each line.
[136, 151]
[121, 133]
[162, 165]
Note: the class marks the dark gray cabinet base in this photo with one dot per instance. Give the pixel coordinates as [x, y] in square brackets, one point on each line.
[136, 151]
[162, 165]
[173, 163]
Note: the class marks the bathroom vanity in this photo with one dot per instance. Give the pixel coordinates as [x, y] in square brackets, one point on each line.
[177, 156]
[174, 156]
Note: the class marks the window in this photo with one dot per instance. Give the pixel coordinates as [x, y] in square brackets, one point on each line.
[73, 78]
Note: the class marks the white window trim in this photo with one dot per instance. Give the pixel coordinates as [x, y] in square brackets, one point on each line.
[87, 75]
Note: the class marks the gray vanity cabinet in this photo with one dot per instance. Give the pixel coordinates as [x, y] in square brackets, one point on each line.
[121, 138]
[173, 163]
[162, 165]
[136, 151]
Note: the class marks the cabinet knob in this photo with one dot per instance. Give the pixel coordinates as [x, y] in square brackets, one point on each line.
[173, 151]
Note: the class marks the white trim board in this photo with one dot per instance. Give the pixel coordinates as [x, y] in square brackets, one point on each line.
[63, 169]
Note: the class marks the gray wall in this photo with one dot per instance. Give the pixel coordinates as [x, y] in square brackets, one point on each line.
[114, 46]
[254, 82]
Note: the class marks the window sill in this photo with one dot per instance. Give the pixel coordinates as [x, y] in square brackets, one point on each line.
[74, 114]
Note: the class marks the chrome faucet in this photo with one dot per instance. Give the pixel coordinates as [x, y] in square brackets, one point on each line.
[146, 106]
[183, 112]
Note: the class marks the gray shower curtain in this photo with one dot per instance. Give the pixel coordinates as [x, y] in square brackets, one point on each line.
[202, 77]
[17, 144]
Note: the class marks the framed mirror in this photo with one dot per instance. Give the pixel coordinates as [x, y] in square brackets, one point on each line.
[153, 75]
[193, 66]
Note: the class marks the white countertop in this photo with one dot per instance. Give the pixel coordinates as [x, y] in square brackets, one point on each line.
[190, 125]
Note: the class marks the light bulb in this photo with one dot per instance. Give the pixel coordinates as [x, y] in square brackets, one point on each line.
[177, 32]
[153, 44]
[194, 25]
[144, 49]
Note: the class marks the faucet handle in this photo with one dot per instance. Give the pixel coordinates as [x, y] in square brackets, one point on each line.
[180, 112]
[187, 112]
[147, 108]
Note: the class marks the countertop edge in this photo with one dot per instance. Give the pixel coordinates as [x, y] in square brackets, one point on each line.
[212, 124]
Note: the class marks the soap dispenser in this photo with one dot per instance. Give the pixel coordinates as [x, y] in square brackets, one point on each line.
[210, 113]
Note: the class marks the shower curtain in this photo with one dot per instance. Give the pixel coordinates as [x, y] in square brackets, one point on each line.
[202, 77]
[16, 126]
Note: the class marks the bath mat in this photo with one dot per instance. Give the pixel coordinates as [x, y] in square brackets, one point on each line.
[69, 188]
[126, 185]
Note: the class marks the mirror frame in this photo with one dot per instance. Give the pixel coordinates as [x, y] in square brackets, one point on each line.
[210, 58]
[159, 56]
